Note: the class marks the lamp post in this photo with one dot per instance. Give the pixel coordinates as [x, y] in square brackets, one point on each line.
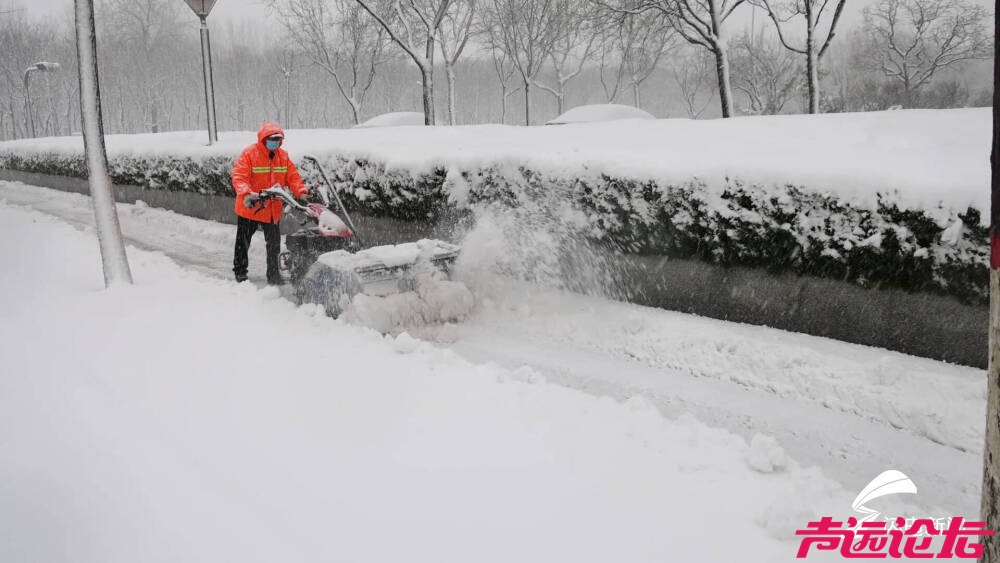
[201, 8]
[44, 67]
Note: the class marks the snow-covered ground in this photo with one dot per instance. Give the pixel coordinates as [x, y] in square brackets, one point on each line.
[930, 157]
[163, 421]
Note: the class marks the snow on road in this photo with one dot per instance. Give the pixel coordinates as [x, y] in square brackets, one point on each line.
[851, 411]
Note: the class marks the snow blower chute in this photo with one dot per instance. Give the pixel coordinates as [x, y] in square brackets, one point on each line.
[329, 263]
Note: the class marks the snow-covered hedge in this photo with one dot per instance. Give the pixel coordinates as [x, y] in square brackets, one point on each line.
[209, 175]
[874, 242]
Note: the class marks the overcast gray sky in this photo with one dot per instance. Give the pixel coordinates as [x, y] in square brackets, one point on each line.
[225, 10]
[254, 10]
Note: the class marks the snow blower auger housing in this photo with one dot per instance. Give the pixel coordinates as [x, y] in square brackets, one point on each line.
[329, 264]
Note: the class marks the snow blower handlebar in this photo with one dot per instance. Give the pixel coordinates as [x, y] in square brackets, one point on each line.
[328, 224]
[278, 191]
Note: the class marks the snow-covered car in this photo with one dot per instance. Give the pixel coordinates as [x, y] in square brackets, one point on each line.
[394, 119]
[600, 112]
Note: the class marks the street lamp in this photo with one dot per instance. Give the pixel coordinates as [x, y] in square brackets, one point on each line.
[44, 67]
[201, 8]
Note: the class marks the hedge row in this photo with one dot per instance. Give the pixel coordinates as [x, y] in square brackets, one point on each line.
[781, 228]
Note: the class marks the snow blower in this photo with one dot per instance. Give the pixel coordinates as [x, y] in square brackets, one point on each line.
[329, 264]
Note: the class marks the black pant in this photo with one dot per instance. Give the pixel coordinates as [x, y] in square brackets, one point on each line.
[245, 228]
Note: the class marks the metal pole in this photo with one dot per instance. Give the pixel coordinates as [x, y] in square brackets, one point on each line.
[29, 121]
[206, 63]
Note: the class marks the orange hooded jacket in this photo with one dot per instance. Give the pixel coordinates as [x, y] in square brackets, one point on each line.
[257, 169]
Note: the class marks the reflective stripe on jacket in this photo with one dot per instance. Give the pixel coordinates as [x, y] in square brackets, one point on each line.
[257, 169]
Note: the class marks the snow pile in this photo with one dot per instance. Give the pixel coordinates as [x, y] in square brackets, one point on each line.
[432, 301]
[389, 288]
[199, 419]
[765, 455]
[600, 112]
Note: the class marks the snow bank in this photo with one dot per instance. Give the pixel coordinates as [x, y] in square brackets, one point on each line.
[929, 157]
[187, 418]
[600, 112]
[937, 401]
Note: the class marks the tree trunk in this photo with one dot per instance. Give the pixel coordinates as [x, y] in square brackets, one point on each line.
[527, 102]
[154, 117]
[812, 68]
[722, 73]
[13, 118]
[427, 89]
[355, 113]
[990, 509]
[427, 75]
[121, 109]
[449, 73]
[503, 103]
[990, 504]
[635, 94]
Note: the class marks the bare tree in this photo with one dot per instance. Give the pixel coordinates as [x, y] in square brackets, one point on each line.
[453, 36]
[527, 32]
[503, 65]
[643, 42]
[146, 36]
[574, 35]
[413, 25]
[701, 23]
[636, 45]
[811, 12]
[340, 38]
[19, 39]
[910, 40]
[693, 74]
[610, 56]
[766, 73]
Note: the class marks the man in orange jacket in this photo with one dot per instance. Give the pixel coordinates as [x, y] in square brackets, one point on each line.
[260, 166]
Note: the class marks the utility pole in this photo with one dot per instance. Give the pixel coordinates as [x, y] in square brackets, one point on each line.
[201, 8]
[109, 233]
[990, 507]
